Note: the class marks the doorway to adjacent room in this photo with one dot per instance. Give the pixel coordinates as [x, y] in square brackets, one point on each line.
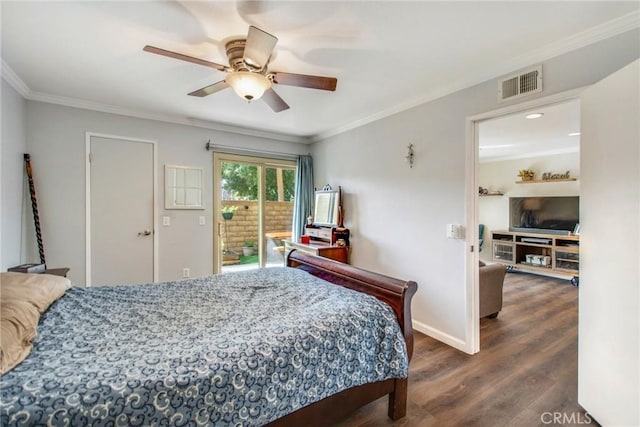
[493, 211]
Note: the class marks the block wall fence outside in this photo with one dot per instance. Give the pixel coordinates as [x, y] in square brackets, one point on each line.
[243, 227]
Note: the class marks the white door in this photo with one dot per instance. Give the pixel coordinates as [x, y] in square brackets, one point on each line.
[609, 303]
[120, 223]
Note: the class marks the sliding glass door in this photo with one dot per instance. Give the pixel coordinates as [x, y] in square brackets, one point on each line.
[253, 201]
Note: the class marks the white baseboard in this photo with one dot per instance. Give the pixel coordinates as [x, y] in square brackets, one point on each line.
[454, 342]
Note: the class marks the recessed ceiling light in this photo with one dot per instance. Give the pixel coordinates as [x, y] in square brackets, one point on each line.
[574, 134]
[534, 115]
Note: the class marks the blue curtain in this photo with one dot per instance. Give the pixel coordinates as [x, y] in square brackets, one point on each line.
[304, 196]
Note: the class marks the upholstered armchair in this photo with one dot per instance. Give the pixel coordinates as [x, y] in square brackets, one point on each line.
[491, 283]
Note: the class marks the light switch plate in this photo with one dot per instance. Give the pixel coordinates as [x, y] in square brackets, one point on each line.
[455, 231]
[166, 221]
[201, 220]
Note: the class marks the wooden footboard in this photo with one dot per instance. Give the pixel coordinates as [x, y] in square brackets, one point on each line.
[397, 294]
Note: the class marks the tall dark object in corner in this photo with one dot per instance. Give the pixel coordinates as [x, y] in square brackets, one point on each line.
[34, 206]
[42, 267]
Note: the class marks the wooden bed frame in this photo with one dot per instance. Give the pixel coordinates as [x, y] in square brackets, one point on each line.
[397, 294]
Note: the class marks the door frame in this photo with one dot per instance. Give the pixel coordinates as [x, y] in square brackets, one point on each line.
[262, 163]
[472, 150]
[88, 136]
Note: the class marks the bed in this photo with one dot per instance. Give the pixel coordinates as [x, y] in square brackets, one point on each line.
[266, 347]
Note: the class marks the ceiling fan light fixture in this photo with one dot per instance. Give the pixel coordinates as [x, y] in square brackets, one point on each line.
[248, 85]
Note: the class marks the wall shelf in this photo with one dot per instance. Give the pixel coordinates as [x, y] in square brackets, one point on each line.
[537, 181]
[493, 193]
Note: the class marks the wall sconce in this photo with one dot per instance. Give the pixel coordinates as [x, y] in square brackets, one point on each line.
[409, 156]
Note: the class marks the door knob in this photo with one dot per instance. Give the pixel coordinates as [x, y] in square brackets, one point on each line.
[144, 233]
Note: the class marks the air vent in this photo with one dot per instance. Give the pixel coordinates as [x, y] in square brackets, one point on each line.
[520, 84]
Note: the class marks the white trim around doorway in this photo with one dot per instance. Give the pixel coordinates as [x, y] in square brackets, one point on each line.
[472, 328]
[261, 163]
[88, 136]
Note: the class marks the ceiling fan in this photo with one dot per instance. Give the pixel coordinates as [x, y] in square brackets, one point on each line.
[248, 73]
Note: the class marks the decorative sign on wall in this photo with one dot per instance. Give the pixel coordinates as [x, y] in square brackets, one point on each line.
[551, 175]
[526, 177]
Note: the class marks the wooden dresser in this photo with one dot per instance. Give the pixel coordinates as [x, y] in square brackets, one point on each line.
[322, 243]
[327, 250]
[325, 236]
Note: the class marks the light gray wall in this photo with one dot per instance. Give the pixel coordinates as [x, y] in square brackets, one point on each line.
[493, 211]
[56, 140]
[13, 146]
[609, 322]
[410, 242]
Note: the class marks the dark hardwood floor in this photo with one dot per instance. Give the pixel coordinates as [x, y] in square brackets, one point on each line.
[524, 375]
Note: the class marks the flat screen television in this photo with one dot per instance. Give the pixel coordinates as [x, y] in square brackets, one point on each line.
[551, 214]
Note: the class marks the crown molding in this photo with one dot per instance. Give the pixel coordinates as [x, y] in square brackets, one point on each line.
[595, 34]
[112, 109]
[12, 78]
[21, 87]
[140, 114]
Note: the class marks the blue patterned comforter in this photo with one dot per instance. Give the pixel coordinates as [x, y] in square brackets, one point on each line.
[235, 349]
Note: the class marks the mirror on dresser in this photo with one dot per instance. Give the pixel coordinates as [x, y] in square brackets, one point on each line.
[327, 208]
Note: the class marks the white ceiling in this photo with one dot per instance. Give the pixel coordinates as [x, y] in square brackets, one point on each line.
[516, 136]
[387, 56]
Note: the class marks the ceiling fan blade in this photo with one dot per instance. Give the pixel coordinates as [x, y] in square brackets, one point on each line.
[274, 101]
[301, 80]
[258, 47]
[208, 90]
[182, 57]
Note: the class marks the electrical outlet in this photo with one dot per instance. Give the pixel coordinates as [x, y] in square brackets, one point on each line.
[186, 272]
